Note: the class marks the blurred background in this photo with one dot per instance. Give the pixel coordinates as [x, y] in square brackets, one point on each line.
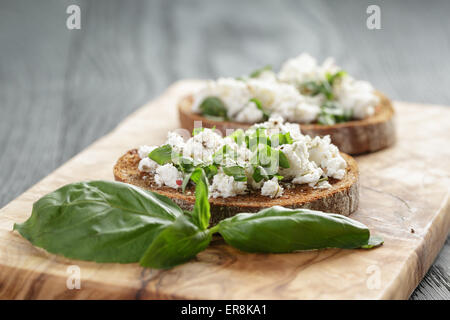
[62, 89]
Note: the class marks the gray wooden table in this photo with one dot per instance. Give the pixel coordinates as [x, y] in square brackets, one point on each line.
[62, 89]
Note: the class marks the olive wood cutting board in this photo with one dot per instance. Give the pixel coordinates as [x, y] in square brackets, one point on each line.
[404, 198]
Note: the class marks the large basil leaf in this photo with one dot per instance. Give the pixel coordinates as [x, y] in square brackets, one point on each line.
[99, 221]
[177, 244]
[201, 213]
[214, 107]
[279, 229]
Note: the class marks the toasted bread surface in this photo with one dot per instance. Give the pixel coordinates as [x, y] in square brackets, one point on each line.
[342, 197]
[353, 137]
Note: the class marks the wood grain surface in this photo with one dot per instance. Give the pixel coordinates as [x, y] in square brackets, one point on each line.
[61, 90]
[404, 198]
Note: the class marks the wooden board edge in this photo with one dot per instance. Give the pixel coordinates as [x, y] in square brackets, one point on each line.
[437, 232]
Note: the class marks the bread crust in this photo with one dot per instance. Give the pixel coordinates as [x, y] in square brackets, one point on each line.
[353, 137]
[342, 197]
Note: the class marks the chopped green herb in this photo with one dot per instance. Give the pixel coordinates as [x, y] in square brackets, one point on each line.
[280, 139]
[258, 72]
[162, 155]
[196, 131]
[259, 106]
[238, 136]
[237, 172]
[214, 107]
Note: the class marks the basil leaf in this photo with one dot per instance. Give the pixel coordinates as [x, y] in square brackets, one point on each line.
[178, 243]
[259, 174]
[279, 229]
[374, 241]
[98, 221]
[270, 159]
[238, 136]
[214, 107]
[162, 155]
[258, 72]
[186, 180]
[284, 162]
[331, 78]
[221, 154]
[210, 171]
[184, 164]
[201, 213]
[225, 152]
[259, 106]
[326, 119]
[237, 172]
[332, 113]
[280, 139]
[256, 138]
[197, 130]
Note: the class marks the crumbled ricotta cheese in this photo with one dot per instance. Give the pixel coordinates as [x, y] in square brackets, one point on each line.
[202, 146]
[272, 188]
[357, 96]
[175, 140]
[284, 94]
[311, 161]
[168, 175]
[250, 114]
[326, 155]
[300, 69]
[147, 165]
[225, 186]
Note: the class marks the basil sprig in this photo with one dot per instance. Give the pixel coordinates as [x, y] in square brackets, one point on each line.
[115, 222]
[99, 221]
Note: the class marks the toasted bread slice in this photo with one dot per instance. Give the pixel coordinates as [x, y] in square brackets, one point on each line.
[342, 197]
[353, 137]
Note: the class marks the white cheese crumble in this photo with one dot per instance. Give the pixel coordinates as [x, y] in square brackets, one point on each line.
[357, 96]
[283, 94]
[272, 188]
[225, 186]
[310, 161]
[250, 114]
[168, 175]
[146, 164]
